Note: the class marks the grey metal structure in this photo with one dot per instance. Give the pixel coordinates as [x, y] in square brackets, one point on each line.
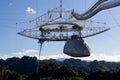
[59, 24]
[77, 48]
[99, 6]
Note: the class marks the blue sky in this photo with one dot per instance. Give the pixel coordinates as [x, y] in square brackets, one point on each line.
[105, 46]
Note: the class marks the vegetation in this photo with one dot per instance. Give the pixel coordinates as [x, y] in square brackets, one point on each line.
[6, 74]
[69, 69]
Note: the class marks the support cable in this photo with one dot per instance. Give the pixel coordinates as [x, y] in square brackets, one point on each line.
[114, 19]
[38, 64]
[60, 8]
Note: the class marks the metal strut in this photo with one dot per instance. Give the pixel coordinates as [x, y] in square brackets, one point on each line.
[60, 8]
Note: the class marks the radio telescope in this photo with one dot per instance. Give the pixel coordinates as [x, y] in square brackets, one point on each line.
[59, 24]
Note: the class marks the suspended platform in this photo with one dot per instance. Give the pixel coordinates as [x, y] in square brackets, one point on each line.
[59, 24]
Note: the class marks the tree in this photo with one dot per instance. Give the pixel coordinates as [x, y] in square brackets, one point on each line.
[64, 71]
[6, 74]
[47, 69]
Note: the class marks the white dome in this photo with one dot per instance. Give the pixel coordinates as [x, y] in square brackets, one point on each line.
[77, 48]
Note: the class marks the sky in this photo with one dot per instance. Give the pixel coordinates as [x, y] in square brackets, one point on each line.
[105, 46]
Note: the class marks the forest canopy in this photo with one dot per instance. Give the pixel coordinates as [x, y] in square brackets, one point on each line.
[69, 69]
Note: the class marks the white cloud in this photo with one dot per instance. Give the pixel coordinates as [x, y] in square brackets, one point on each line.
[28, 52]
[59, 56]
[5, 56]
[10, 4]
[30, 11]
[33, 52]
[106, 57]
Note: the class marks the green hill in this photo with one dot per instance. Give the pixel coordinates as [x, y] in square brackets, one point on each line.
[69, 69]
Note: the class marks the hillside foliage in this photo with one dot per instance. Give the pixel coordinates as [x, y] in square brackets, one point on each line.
[25, 68]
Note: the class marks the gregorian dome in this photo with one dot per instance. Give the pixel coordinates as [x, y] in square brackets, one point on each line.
[77, 48]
